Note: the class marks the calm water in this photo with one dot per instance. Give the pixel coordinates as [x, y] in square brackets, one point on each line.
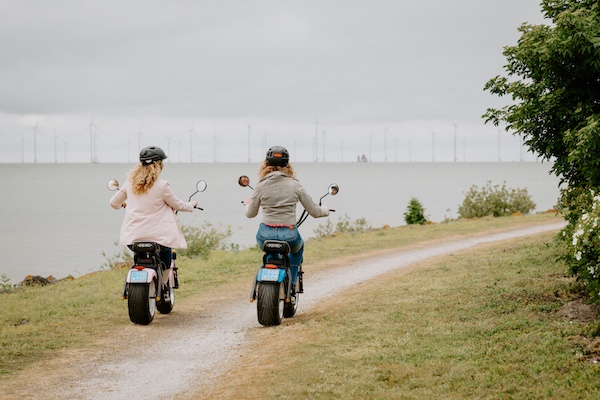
[56, 219]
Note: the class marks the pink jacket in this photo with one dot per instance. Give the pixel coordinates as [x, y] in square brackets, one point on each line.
[151, 216]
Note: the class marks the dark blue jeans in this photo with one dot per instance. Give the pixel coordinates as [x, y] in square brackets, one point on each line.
[291, 236]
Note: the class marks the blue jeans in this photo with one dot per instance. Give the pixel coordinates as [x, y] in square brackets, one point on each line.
[291, 236]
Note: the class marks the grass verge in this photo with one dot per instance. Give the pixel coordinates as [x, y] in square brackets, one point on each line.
[476, 325]
[36, 321]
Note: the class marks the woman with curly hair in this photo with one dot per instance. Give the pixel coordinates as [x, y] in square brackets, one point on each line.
[150, 206]
[277, 193]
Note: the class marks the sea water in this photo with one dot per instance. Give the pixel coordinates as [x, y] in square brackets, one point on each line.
[56, 220]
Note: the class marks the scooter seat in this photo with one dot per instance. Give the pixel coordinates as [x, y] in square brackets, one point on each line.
[276, 247]
[146, 247]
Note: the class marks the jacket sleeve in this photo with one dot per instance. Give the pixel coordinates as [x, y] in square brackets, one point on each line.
[251, 209]
[116, 201]
[309, 205]
[173, 201]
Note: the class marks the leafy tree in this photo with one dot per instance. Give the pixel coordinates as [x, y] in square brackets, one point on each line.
[553, 76]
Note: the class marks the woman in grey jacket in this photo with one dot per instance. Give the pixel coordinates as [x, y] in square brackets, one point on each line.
[277, 193]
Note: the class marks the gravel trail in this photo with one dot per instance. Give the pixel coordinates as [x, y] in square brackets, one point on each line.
[198, 340]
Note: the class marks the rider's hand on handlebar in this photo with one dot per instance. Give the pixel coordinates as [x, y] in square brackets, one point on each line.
[194, 203]
[124, 205]
[247, 201]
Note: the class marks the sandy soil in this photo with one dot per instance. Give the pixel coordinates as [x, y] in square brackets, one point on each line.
[200, 338]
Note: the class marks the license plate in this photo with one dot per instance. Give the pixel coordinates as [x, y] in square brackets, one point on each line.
[138, 276]
[269, 275]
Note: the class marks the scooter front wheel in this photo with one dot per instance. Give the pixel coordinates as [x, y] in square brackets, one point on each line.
[141, 301]
[167, 301]
[270, 303]
[289, 309]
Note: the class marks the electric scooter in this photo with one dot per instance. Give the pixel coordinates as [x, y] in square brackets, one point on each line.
[150, 284]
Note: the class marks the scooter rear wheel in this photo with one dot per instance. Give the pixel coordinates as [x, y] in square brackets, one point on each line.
[141, 301]
[270, 303]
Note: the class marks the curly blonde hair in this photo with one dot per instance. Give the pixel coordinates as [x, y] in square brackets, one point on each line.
[266, 169]
[143, 176]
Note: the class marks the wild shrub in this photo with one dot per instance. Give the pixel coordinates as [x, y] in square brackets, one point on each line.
[5, 283]
[415, 212]
[202, 240]
[584, 243]
[123, 256]
[495, 200]
[344, 224]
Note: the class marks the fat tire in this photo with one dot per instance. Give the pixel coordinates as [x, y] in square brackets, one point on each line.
[141, 302]
[269, 305]
[165, 307]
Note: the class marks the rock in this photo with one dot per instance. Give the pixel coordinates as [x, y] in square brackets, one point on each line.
[32, 280]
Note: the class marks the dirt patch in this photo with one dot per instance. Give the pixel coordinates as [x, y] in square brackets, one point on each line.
[579, 311]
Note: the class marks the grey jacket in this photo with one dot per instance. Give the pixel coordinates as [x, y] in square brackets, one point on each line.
[278, 195]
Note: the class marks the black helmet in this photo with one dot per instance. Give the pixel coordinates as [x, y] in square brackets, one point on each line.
[151, 154]
[278, 156]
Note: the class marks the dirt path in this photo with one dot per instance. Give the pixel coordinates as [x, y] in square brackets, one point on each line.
[201, 338]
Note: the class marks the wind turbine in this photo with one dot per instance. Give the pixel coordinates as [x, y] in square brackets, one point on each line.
[215, 148]
[93, 136]
[139, 135]
[23, 141]
[385, 134]
[56, 139]
[455, 127]
[192, 133]
[36, 131]
[324, 133]
[169, 146]
[249, 131]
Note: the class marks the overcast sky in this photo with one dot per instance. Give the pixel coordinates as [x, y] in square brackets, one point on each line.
[396, 80]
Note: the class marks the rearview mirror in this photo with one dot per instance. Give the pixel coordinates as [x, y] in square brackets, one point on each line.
[113, 185]
[201, 186]
[334, 189]
[244, 181]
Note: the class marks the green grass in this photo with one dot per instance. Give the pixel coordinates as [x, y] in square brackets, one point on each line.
[75, 314]
[478, 325]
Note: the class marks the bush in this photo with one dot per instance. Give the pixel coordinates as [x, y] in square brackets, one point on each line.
[415, 212]
[202, 240]
[584, 257]
[497, 201]
[122, 257]
[344, 224]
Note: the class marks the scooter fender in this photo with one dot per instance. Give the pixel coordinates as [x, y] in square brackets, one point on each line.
[145, 275]
[270, 275]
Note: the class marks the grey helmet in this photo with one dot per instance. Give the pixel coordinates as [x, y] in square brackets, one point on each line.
[151, 154]
[278, 156]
